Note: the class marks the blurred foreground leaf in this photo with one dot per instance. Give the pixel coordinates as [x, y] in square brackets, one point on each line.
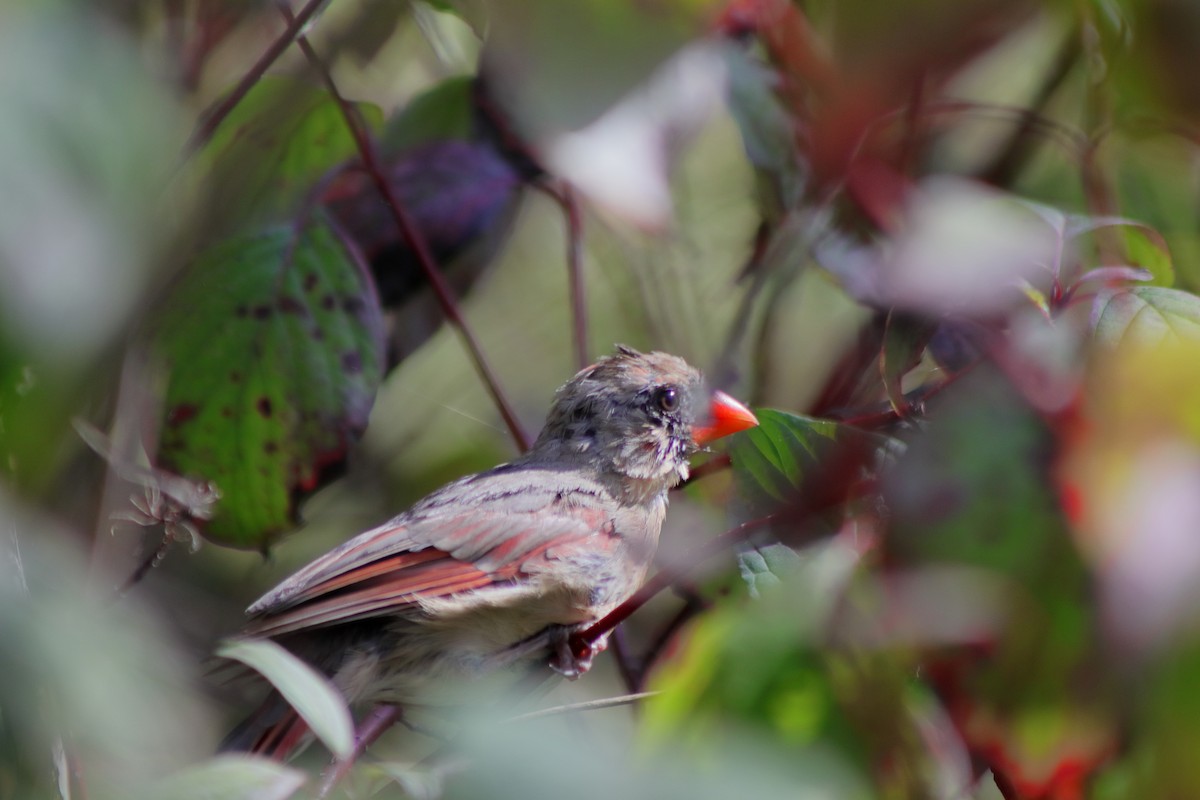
[1146, 315]
[974, 493]
[315, 699]
[541, 758]
[89, 200]
[231, 778]
[771, 667]
[274, 348]
[104, 678]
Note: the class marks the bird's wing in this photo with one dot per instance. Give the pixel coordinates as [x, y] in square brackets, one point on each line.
[490, 529]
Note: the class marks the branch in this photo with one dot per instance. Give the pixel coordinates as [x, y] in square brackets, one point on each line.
[416, 240]
[211, 119]
[566, 199]
[587, 705]
[381, 718]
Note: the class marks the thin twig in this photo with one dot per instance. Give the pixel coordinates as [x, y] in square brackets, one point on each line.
[587, 705]
[148, 563]
[211, 120]
[1016, 150]
[381, 718]
[415, 239]
[565, 197]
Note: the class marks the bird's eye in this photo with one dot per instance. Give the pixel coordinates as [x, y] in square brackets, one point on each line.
[667, 398]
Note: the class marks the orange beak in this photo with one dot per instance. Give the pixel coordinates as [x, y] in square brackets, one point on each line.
[725, 416]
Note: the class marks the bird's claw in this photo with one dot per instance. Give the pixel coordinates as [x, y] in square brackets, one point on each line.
[572, 659]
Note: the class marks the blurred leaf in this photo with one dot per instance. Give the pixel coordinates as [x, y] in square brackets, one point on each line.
[1147, 249]
[1146, 315]
[761, 566]
[1165, 738]
[541, 758]
[274, 146]
[904, 342]
[417, 782]
[274, 348]
[551, 82]
[766, 666]
[231, 777]
[315, 699]
[439, 114]
[1151, 187]
[88, 142]
[109, 677]
[969, 489]
[768, 133]
[975, 489]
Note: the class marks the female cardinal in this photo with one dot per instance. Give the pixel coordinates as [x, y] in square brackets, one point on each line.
[499, 568]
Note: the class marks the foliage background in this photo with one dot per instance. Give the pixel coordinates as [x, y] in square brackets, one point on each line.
[961, 234]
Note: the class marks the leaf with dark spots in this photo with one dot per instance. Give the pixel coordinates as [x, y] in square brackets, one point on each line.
[258, 403]
[181, 413]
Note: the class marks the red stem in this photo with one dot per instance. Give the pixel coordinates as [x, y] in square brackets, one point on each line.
[570, 206]
[415, 240]
[211, 119]
[1005, 786]
[564, 195]
[381, 718]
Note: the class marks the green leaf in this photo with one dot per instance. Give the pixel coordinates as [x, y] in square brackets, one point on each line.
[230, 777]
[1146, 315]
[274, 146]
[274, 344]
[441, 113]
[553, 83]
[761, 567]
[315, 699]
[1147, 249]
[768, 134]
[772, 461]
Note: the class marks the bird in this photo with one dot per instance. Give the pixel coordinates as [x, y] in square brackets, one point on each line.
[497, 569]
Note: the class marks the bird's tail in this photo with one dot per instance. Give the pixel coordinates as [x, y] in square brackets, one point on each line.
[273, 731]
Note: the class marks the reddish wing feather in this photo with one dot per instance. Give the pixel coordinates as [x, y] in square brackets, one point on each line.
[438, 549]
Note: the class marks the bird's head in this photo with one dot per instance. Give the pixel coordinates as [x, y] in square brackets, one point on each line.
[640, 416]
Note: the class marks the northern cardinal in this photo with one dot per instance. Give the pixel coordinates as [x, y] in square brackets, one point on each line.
[499, 568]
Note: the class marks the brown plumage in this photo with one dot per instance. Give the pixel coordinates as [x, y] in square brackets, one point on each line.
[498, 568]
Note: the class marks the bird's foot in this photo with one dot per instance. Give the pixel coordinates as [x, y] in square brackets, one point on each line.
[572, 658]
